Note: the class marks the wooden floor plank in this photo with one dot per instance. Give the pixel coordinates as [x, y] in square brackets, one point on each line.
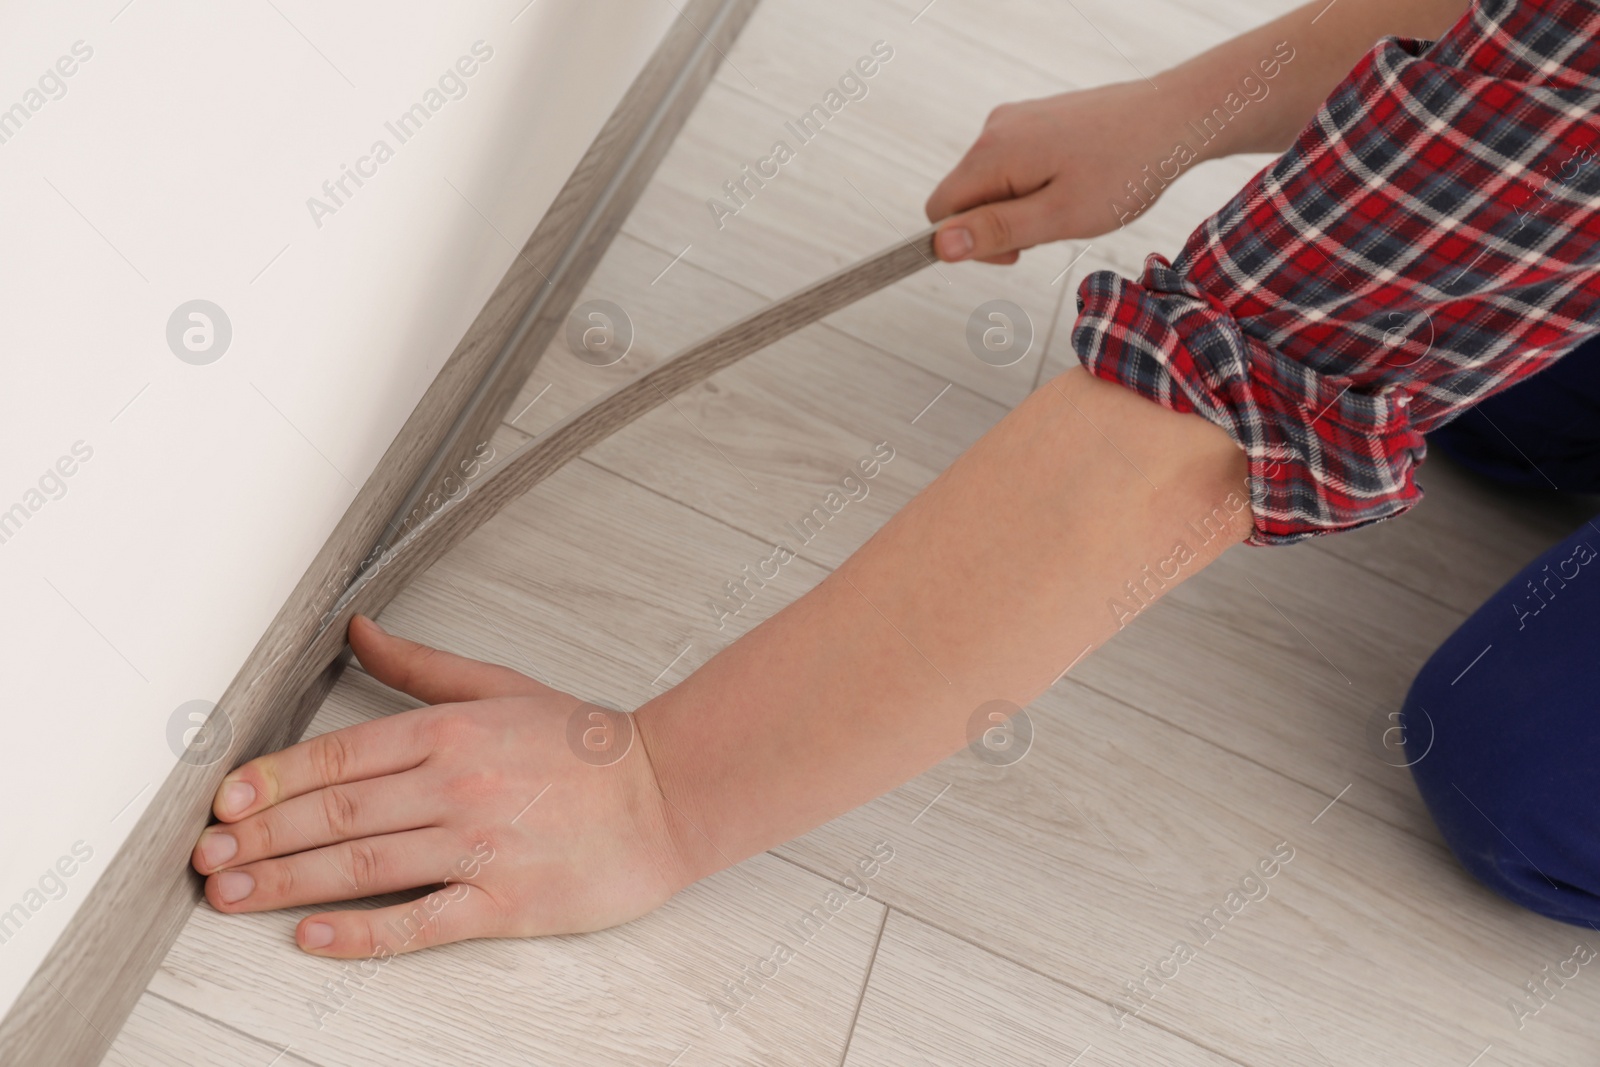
[1467, 538]
[922, 105]
[160, 1033]
[936, 999]
[1110, 840]
[1092, 42]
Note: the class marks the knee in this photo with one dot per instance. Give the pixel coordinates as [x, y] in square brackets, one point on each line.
[1506, 767]
[1511, 836]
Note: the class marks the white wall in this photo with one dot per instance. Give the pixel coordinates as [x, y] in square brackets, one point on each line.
[174, 164]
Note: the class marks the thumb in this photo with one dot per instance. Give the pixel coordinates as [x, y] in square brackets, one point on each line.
[997, 231]
[431, 675]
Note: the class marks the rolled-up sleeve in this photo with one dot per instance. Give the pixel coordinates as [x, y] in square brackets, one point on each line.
[1431, 238]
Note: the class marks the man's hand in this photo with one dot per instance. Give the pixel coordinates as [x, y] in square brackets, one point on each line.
[481, 790]
[1047, 170]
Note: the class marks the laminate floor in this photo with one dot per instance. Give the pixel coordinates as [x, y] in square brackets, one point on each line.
[1020, 901]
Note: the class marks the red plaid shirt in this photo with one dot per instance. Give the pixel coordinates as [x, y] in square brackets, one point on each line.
[1432, 237]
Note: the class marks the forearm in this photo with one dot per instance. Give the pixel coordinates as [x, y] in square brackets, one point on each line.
[986, 586]
[1327, 40]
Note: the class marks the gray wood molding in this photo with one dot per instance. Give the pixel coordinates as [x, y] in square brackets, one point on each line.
[80, 995]
[567, 439]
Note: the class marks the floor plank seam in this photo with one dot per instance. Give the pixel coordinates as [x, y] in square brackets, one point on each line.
[254, 1039]
[826, 568]
[1223, 622]
[1338, 553]
[1062, 983]
[866, 982]
[826, 325]
[666, 498]
[778, 111]
[1414, 835]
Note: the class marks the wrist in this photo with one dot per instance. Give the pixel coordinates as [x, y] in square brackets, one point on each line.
[679, 824]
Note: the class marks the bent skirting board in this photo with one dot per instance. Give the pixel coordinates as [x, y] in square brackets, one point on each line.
[566, 440]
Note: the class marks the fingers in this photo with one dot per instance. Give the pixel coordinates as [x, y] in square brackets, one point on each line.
[370, 749]
[455, 913]
[986, 174]
[381, 746]
[429, 674]
[346, 871]
[996, 232]
[328, 816]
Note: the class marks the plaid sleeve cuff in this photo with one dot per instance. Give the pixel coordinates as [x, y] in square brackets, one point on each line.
[1324, 454]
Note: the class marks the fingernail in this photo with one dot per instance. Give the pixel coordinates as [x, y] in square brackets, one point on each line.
[217, 849]
[375, 625]
[316, 935]
[955, 243]
[234, 886]
[237, 796]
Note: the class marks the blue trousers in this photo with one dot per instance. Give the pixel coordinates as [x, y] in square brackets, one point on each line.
[1502, 725]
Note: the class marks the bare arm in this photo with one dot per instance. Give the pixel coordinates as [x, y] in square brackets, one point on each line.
[1328, 39]
[986, 586]
[1059, 167]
